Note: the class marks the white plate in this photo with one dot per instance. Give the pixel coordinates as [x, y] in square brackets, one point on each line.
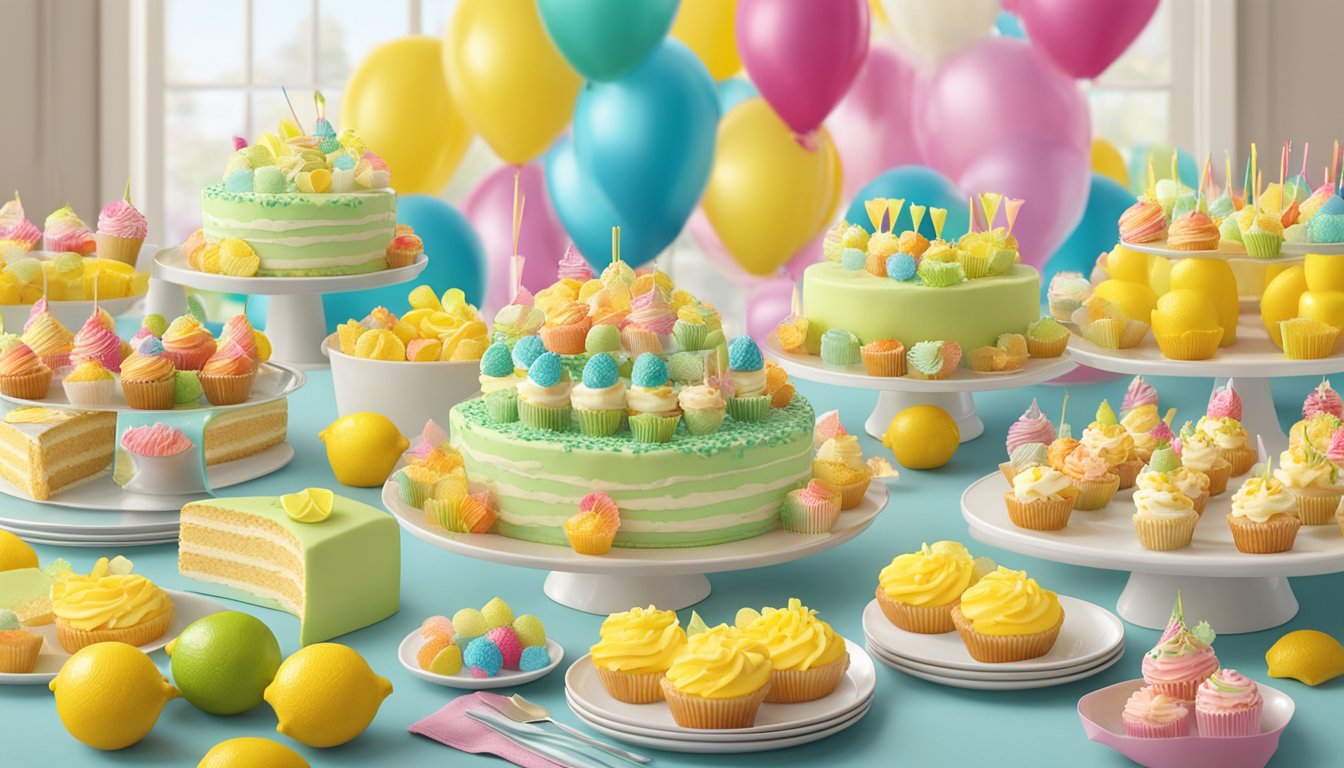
[412, 643]
[274, 381]
[138, 541]
[1090, 632]
[726, 747]
[581, 683]
[711, 736]
[187, 608]
[993, 676]
[171, 265]
[997, 685]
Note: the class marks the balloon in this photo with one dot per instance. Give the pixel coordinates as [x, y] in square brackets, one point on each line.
[715, 253]
[1051, 177]
[647, 140]
[541, 238]
[1084, 37]
[456, 260]
[514, 86]
[706, 27]
[1107, 160]
[606, 39]
[1096, 232]
[1010, 25]
[588, 217]
[767, 304]
[929, 32]
[734, 91]
[1160, 155]
[421, 153]
[872, 125]
[802, 54]
[917, 185]
[767, 195]
[998, 88]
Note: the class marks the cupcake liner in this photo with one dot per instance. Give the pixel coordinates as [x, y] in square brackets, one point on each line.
[90, 394]
[652, 428]
[412, 492]
[32, 386]
[19, 655]
[189, 360]
[72, 639]
[754, 408]
[637, 341]
[1095, 494]
[1145, 730]
[973, 266]
[599, 423]
[816, 517]
[1200, 502]
[699, 712]
[1190, 345]
[1183, 690]
[502, 406]
[996, 649]
[1316, 506]
[1063, 309]
[1241, 722]
[794, 686]
[1207, 244]
[702, 422]
[1165, 535]
[1308, 345]
[842, 353]
[543, 417]
[1274, 535]
[1241, 459]
[57, 361]
[1128, 473]
[631, 687]
[227, 390]
[851, 495]
[1114, 333]
[1218, 476]
[1052, 348]
[920, 619]
[566, 339]
[123, 249]
[885, 361]
[1040, 515]
[1262, 245]
[151, 395]
[690, 336]
[589, 543]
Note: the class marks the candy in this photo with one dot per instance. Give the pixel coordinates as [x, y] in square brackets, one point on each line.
[268, 180]
[497, 613]
[186, 388]
[533, 659]
[447, 662]
[453, 325]
[469, 622]
[510, 648]
[530, 630]
[437, 626]
[432, 647]
[239, 180]
[483, 658]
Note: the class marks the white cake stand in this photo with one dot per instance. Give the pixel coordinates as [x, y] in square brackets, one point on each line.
[1289, 253]
[1235, 592]
[273, 381]
[668, 578]
[296, 323]
[895, 394]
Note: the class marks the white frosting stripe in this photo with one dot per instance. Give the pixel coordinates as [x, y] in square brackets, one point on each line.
[658, 503]
[286, 225]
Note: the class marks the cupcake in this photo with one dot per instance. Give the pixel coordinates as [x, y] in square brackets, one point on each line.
[566, 329]
[1228, 704]
[1191, 482]
[121, 230]
[883, 357]
[1106, 325]
[1041, 499]
[238, 330]
[933, 359]
[48, 339]
[1092, 476]
[1027, 442]
[1046, 338]
[811, 509]
[749, 400]
[1140, 422]
[718, 680]
[1264, 238]
[690, 331]
[1315, 431]
[651, 401]
[649, 310]
[1234, 443]
[840, 347]
[1182, 658]
[110, 604]
[1151, 714]
[19, 648]
[499, 383]
[1193, 231]
[404, 250]
[599, 399]
[840, 465]
[227, 376]
[807, 658]
[1067, 292]
[148, 378]
[702, 408]
[188, 344]
[23, 374]
[1143, 222]
[1198, 452]
[1327, 226]
[918, 590]
[1110, 441]
[64, 231]
[634, 651]
[416, 484]
[90, 385]
[1006, 616]
[543, 397]
[96, 341]
[15, 228]
[518, 320]
[1164, 517]
[1263, 517]
[592, 530]
[1314, 481]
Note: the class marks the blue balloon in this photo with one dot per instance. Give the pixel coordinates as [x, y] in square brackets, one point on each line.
[1010, 25]
[1161, 156]
[734, 91]
[1096, 232]
[456, 260]
[918, 185]
[587, 216]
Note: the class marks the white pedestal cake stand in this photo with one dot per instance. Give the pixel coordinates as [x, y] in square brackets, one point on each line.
[672, 579]
[895, 394]
[296, 323]
[1289, 253]
[1235, 592]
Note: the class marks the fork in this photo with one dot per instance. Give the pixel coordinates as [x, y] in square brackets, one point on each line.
[520, 710]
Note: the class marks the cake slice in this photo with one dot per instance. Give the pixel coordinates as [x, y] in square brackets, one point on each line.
[241, 432]
[44, 451]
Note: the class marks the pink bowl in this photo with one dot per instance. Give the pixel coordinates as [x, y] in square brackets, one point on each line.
[1100, 713]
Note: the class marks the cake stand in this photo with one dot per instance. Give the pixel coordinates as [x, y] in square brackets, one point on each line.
[895, 394]
[1290, 253]
[296, 323]
[670, 578]
[1235, 592]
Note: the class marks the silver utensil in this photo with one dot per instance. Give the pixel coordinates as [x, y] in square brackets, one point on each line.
[518, 734]
[520, 710]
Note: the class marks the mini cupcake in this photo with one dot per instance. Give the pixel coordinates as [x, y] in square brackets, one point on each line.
[1164, 517]
[15, 228]
[188, 344]
[1193, 231]
[1151, 714]
[634, 651]
[499, 384]
[599, 399]
[416, 484]
[749, 400]
[807, 658]
[64, 231]
[933, 359]
[48, 339]
[1067, 292]
[1093, 477]
[593, 529]
[883, 357]
[110, 604]
[690, 331]
[1191, 482]
[566, 329]
[1106, 325]
[97, 341]
[702, 408]
[23, 374]
[839, 464]
[227, 376]
[148, 378]
[1264, 238]
[1143, 222]
[1041, 499]
[237, 329]
[1182, 658]
[19, 649]
[518, 320]
[1046, 338]
[1263, 517]
[651, 401]
[718, 680]
[1315, 431]
[1006, 616]
[650, 310]
[90, 385]
[543, 397]
[1314, 481]
[1228, 704]
[1139, 422]
[840, 347]
[1234, 443]
[1199, 453]
[918, 590]
[404, 250]
[1108, 439]
[812, 509]
[1032, 428]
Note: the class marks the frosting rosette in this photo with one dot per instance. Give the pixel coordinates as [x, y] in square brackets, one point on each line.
[1040, 484]
[720, 663]
[937, 574]
[102, 600]
[638, 641]
[1323, 399]
[1160, 499]
[1261, 498]
[1084, 466]
[843, 449]
[1304, 467]
[20, 360]
[1138, 393]
[794, 636]
[1007, 602]
[95, 342]
[121, 219]
[1227, 690]
[155, 440]
[1031, 427]
[64, 231]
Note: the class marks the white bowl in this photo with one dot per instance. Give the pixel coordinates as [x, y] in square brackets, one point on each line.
[409, 394]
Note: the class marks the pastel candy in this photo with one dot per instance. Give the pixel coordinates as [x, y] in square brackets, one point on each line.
[483, 656]
[268, 179]
[534, 658]
[239, 180]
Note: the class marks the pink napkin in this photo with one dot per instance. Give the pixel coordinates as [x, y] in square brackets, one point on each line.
[451, 726]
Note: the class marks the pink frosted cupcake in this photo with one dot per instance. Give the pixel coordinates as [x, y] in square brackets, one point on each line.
[1151, 714]
[1228, 704]
[188, 344]
[813, 509]
[1182, 659]
[96, 342]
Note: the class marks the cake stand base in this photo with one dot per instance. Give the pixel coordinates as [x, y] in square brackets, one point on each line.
[1231, 605]
[297, 328]
[602, 595]
[959, 405]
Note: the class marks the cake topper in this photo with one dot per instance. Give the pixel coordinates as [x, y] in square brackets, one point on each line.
[989, 202]
[894, 205]
[1151, 191]
[1011, 207]
[970, 208]
[939, 217]
[1227, 174]
[1176, 169]
[875, 208]
[292, 113]
[517, 261]
[917, 216]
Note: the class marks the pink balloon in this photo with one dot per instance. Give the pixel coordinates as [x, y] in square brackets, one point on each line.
[717, 254]
[1052, 177]
[1083, 37]
[873, 126]
[542, 238]
[1000, 87]
[768, 304]
[802, 55]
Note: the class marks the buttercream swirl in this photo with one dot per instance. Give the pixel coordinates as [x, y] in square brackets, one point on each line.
[1226, 432]
[701, 397]
[91, 603]
[1260, 499]
[749, 383]
[1323, 399]
[1305, 468]
[656, 400]
[1199, 452]
[843, 449]
[935, 575]
[95, 342]
[1160, 499]
[554, 396]
[1031, 427]
[585, 398]
[638, 641]
[157, 439]
[1227, 690]
[1138, 393]
[1139, 423]
[1317, 431]
[120, 219]
[1192, 482]
[1151, 706]
[720, 663]
[795, 638]
[140, 367]
[1084, 466]
[1008, 602]
[1040, 484]
[20, 360]
[1112, 442]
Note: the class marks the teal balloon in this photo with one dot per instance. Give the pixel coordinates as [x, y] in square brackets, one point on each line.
[734, 91]
[918, 185]
[1161, 156]
[456, 260]
[1010, 25]
[606, 39]
[587, 216]
[1096, 233]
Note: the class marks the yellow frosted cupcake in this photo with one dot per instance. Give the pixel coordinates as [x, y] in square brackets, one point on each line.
[718, 680]
[1201, 454]
[1233, 441]
[840, 465]
[634, 652]
[918, 590]
[1164, 517]
[1042, 499]
[1107, 438]
[1007, 616]
[592, 530]
[110, 604]
[807, 656]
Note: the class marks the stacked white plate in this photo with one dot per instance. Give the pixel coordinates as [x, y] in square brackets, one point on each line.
[1091, 641]
[777, 725]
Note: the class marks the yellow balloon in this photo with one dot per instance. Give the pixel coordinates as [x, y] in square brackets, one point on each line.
[400, 78]
[511, 81]
[767, 195]
[1108, 161]
[706, 27]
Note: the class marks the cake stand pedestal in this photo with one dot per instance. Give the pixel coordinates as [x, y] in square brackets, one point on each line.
[895, 394]
[296, 323]
[672, 579]
[1235, 592]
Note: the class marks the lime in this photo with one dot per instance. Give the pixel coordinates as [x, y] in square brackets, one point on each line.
[223, 662]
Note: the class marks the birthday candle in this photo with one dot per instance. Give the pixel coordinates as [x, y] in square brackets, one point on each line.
[1255, 171]
[1227, 173]
[1152, 180]
[970, 207]
[1175, 169]
[615, 244]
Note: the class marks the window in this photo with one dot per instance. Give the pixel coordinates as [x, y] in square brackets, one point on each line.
[1132, 101]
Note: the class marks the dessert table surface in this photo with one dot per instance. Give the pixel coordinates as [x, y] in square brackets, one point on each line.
[911, 721]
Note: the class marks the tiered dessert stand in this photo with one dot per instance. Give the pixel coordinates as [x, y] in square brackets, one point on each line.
[669, 578]
[895, 394]
[296, 323]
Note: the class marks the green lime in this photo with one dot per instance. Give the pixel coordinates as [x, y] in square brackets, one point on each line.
[223, 662]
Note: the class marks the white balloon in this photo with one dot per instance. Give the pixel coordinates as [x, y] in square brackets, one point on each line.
[928, 31]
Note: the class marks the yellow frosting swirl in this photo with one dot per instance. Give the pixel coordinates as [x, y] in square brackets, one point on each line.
[1109, 441]
[1260, 499]
[721, 663]
[795, 637]
[639, 641]
[1008, 602]
[935, 575]
[843, 449]
[1139, 423]
[1299, 468]
[107, 602]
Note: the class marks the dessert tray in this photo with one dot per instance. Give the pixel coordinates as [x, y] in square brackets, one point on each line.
[1091, 641]
[895, 394]
[1289, 253]
[412, 643]
[1236, 592]
[274, 381]
[777, 725]
[671, 578]
[1100, 713]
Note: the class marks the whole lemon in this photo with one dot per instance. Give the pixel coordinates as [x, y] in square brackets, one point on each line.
[109, 695]
[15, 553]
[1307, 655]
[223, 662]
[1215, 279]
[1136, 300]
[922, 437]
[1280, 300]
[362, 448]
[325, 695]
[251, 752]
[1128, 265]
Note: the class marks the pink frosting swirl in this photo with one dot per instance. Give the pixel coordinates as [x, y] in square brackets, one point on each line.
[1179, 656]
[817, 492]
[1225, 403]
[120, 219]
[1031, 427]
[95, 342]
[38, 309]
[1323, 399]
[650, 309]
[1335, 451]
[572, 266]
[1227, 690]
[158, 439]
[1138, 394]
[1162, 433]
[67, 233]
[24, 232]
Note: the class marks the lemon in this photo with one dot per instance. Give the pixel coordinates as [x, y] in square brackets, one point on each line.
[1306, 655]
[1324, 306]
[362, 448]
[1280, 299]
[1184, 310]
[15, 553]
[251, 752]
[223, 662]
[922, 437]
[1324, 273]
[109, 695]
[1136, 300]
[263, 345]
[1128, 265]
[325, 695]
[1215, 279]
[1159, 275]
